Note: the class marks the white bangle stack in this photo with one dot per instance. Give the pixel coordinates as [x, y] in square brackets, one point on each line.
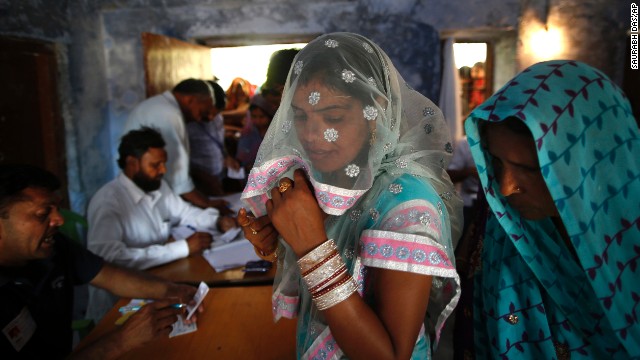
[326, 276]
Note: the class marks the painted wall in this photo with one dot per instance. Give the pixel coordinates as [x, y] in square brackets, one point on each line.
[101, 66]
[591, 31]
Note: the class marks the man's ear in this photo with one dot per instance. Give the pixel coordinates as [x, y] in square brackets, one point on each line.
[132, 165]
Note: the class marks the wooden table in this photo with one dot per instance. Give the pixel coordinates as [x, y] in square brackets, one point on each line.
[194, 269]
[237, 323]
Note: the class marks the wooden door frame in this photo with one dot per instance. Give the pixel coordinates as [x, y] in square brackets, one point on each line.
[50, 114]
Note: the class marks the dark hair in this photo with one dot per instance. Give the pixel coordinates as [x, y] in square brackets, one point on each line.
[14, 178]
[278, 69]
[258, 102]
[137, 142]
[512, 123]
[219, 95]
[517, 126]
[192, 87]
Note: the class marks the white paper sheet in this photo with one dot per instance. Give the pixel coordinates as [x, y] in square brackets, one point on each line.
[236, 174]
[227, 256]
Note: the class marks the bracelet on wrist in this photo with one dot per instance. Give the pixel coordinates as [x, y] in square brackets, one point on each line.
[323, 271]
[329, 281]
[320, 263]
[317, 254]
[335, 294]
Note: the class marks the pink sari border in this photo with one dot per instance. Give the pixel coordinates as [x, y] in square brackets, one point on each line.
[421, 215]
[285, 306]
[333, 200]
[409, 250]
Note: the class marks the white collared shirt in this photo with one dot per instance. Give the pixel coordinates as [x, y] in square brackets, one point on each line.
[129, 227]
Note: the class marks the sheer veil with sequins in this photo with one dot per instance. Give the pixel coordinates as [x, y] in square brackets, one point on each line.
[410, 137]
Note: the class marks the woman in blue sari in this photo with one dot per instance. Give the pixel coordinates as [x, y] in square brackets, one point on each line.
[557, 153]
[367, 218]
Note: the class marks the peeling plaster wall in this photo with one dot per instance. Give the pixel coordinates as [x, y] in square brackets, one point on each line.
[101, 67]
[593, 31]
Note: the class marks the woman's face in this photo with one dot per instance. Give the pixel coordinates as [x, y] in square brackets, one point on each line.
[337, 117]
[259, 118]
[515, 163]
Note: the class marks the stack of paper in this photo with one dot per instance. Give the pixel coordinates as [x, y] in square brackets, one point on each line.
[228, 256]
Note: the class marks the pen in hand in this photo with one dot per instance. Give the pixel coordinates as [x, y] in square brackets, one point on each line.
[126, 309]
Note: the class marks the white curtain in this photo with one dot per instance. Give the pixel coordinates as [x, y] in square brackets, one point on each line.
[450, 92]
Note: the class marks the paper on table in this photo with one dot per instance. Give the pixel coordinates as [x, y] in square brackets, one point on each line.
[231, 255]
[228, 236]
[236, 174]
[183, 232]
[179, 327]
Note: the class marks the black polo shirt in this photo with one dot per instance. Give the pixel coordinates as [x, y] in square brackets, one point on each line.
[36, 302]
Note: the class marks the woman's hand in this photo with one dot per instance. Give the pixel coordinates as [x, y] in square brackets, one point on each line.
[296, 214]
[259, 231]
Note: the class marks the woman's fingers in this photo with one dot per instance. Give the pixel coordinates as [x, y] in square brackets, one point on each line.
[300, 178]
[243, 218]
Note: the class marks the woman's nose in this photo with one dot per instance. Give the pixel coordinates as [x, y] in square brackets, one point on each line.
[508, 183]
[310, 132]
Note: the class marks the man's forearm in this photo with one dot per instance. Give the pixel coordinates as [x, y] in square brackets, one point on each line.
[130, 283]
[108, 346]
[196, 198]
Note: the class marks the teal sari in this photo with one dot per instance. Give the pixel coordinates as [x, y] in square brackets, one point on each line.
[392, 205]
[534, 299]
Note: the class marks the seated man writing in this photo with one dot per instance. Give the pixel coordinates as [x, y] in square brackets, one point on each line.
[131, 217]
[39, 267]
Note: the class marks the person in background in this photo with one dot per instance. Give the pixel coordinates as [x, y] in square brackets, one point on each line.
[462, 170]
[238, 97]
[209, 155]
[557, 154]
[260, 116]
[190, 100]
[366, 224]
[131, 218]
[39, 268]
[279, 65]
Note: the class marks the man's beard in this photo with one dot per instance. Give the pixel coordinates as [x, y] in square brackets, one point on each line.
[145, 183]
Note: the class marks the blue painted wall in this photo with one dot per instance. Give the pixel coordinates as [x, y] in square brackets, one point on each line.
[101, 73]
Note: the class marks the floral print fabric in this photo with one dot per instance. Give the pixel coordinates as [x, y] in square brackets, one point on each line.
[533, 299]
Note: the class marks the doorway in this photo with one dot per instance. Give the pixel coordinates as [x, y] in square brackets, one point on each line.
[472, 62]
[31, 126]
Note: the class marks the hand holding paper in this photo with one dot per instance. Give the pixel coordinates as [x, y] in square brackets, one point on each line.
[203, 289]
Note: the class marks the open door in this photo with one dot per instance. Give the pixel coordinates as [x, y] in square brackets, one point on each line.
[31, 126]
[167, 61]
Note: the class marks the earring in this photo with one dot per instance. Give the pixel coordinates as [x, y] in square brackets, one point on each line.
[373, 138]
[518, 189]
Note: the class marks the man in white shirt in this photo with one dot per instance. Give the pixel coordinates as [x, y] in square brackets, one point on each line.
[190, 100]
[131, 217]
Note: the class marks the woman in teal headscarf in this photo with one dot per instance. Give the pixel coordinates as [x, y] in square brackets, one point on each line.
[556, 149]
